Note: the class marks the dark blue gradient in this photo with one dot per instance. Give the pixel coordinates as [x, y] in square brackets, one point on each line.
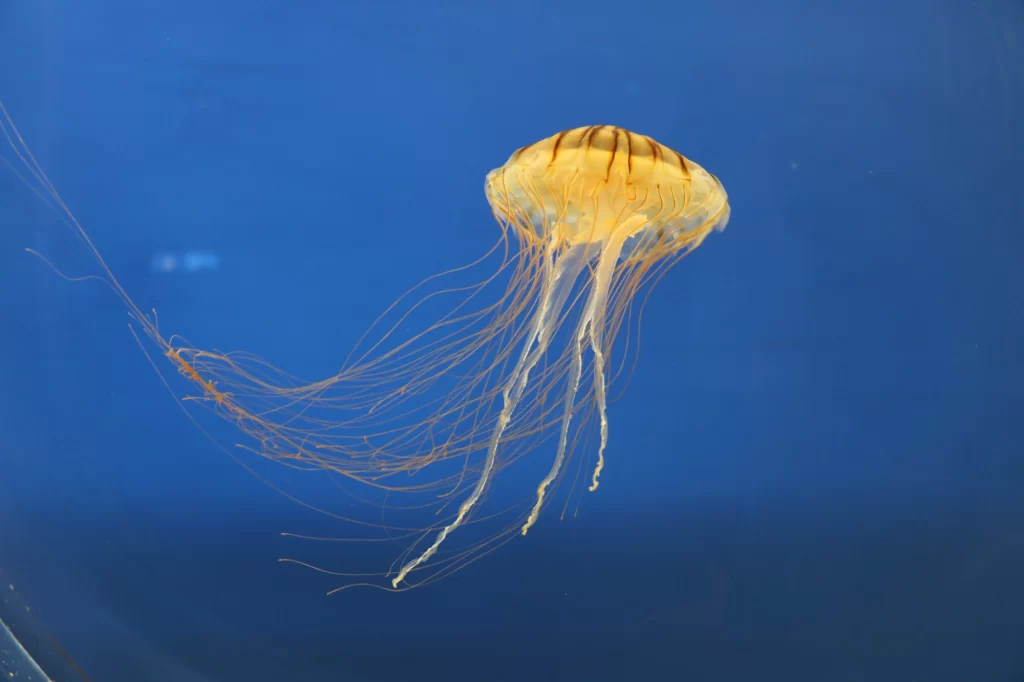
[815, 474]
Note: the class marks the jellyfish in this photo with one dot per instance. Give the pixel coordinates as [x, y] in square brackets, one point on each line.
[517, 364]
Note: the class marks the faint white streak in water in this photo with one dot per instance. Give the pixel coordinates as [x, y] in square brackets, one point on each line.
[183, 261]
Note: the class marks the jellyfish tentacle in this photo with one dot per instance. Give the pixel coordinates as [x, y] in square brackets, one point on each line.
[591, 324]
[560, 281]
[602, 286]
[570, 398]
[600, 393]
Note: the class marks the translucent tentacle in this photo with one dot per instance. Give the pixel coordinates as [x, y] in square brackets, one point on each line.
[561, 278]
[591, 321]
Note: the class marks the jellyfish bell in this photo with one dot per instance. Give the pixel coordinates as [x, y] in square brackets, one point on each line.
[595, 214]
[587, 185]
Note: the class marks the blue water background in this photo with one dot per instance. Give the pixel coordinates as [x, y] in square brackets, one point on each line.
[817, 470]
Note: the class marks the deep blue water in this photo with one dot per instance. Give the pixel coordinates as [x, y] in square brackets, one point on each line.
[815, 474]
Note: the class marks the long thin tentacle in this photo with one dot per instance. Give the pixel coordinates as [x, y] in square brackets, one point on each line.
[555, 294]
[593, 316]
